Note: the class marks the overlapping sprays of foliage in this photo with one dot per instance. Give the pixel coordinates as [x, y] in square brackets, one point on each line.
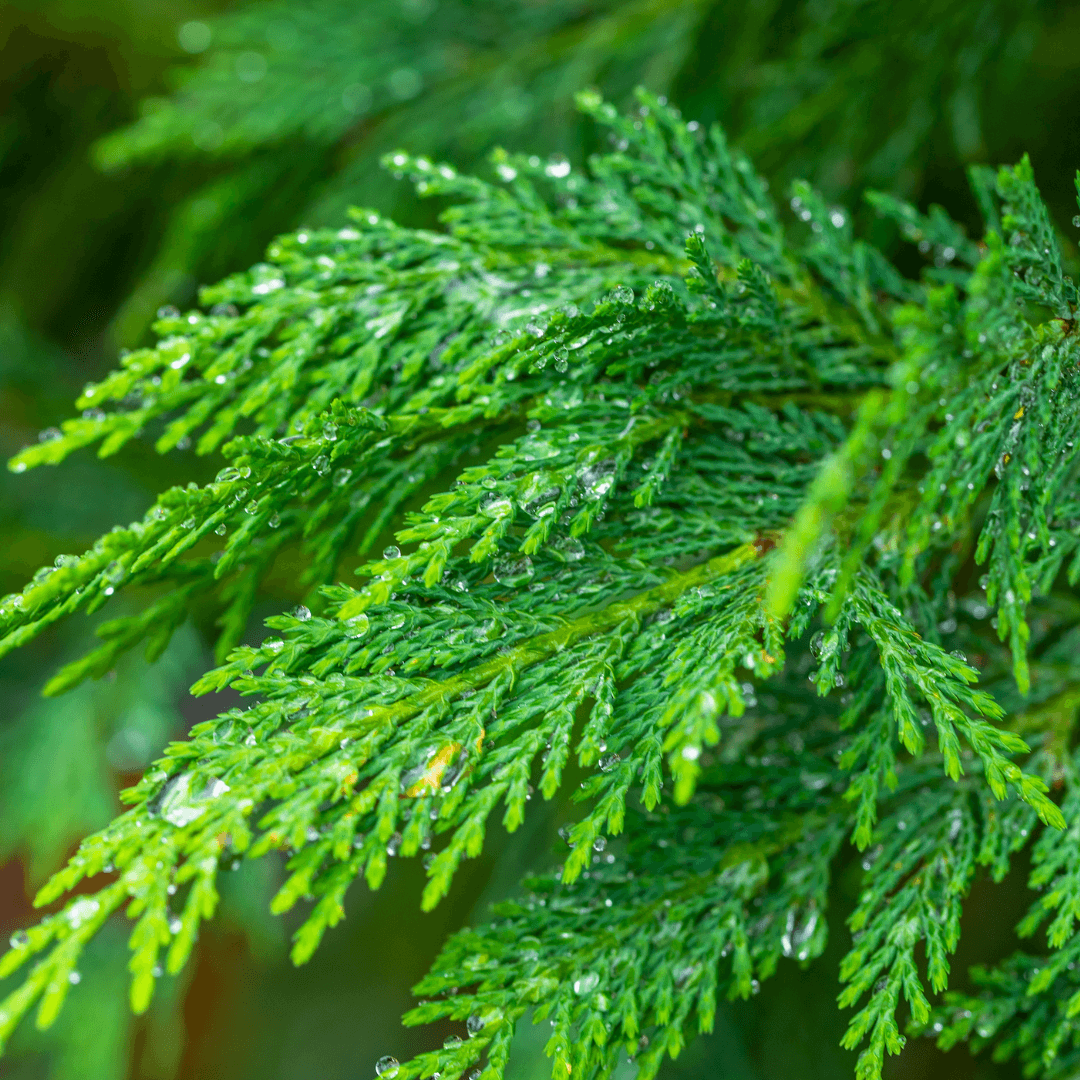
[682, 486]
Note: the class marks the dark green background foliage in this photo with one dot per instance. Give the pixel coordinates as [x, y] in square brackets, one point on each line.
[148, 148]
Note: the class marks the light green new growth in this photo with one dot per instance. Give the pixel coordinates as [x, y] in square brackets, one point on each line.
[682, 486]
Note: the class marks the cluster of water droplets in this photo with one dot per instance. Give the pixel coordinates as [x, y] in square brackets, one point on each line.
[388, 1067]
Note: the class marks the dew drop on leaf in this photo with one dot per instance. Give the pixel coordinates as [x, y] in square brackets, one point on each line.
[512, 572]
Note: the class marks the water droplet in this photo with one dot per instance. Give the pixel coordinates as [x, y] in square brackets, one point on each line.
[275, 521]
[543, 505]
[599, 843]
[221, 530]
[513, 571]
[302, 613]
[20, 939]
[357, 626]
[562, 359]
[84, 908]
[608, 762]
[391, 552]
[451, 1042]
[824, 646]
[341, 477]
[798, 932]
[329, 431]
[570, 548]
[587, 983]
[596, 480]
[321, 465]
[74, 978]
[387, 1067]
[622, 294]
[496, 506]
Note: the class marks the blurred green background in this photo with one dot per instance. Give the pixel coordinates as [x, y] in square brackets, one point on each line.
[147, 146]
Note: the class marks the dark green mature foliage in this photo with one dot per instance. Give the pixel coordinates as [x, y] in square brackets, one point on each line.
[681, 485]
[288, 107]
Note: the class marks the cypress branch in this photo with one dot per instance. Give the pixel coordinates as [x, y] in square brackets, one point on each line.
[676, 485]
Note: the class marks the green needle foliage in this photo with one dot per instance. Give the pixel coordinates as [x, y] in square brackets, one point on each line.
[283, 112]
[686, 492]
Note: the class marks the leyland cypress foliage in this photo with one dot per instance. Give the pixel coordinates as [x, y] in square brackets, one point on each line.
[692, 487]
[286, 108]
